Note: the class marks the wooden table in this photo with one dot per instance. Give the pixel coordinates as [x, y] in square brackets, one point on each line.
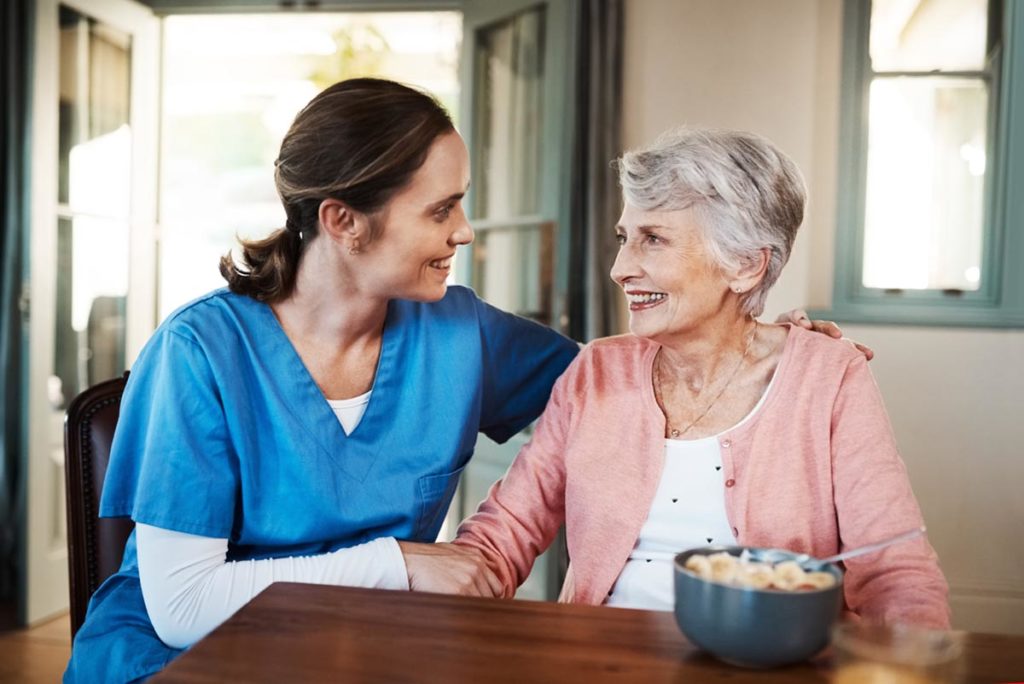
[308, 633]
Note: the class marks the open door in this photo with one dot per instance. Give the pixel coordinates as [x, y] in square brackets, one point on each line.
[516, 118]
[94, 150]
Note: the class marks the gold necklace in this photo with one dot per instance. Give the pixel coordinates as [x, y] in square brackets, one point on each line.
[676, 433]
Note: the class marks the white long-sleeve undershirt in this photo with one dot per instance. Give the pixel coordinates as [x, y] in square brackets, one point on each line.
[190, 588]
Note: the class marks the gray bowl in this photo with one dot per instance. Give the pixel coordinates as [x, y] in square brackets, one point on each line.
[756, 627]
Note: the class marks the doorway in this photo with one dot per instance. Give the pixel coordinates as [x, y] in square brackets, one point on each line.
[92, 204]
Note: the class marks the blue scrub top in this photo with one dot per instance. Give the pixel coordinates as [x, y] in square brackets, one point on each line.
[224, 433]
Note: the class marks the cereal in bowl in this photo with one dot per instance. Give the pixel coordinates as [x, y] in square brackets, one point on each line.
[788, 575]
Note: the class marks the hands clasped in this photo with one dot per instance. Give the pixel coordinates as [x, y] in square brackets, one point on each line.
[449, 569]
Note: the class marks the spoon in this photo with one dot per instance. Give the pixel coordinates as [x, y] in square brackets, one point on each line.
[869, 548]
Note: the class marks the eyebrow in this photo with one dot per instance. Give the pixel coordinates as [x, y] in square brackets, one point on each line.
[451, 198]
[646, 226]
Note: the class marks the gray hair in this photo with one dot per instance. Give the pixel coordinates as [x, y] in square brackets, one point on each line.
[747, 194]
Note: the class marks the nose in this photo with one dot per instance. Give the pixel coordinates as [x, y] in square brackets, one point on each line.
[463, 234]
[625, 266]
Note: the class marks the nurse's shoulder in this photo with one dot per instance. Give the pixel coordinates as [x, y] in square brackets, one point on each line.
[214, 321]
[462, 302]
[462, 311]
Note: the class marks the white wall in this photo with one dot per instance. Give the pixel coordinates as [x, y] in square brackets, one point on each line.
[955, 396]
[714, 63]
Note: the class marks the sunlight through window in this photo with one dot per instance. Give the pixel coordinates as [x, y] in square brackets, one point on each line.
[233, 84]
[928, 133]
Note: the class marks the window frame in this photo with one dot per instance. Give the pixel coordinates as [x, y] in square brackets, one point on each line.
[999, 301]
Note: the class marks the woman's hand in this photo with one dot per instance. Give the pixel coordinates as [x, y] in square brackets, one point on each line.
[449, 569]
[799, 317]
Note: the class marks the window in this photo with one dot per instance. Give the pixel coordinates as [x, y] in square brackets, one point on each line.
[232, 85]
[513, 254]
[929, 226]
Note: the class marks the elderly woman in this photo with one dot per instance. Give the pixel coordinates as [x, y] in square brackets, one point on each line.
[703, 426]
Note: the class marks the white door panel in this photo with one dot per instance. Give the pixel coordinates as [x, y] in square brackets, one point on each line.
[91, 265]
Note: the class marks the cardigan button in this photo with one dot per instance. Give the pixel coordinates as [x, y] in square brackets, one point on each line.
[726, 443]
[730, 482]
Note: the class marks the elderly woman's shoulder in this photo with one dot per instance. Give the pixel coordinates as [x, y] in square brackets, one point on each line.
[619, 352]
[618, 344]
[618, 361]
[811, 344]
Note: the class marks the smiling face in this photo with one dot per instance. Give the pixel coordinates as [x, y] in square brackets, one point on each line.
[671, 283]
[421, 226]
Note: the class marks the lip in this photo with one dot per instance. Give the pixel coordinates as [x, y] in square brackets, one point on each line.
[643, 306]
[635, 306]
[446, 268]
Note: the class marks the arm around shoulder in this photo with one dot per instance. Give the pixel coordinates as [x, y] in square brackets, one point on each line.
[522, 360]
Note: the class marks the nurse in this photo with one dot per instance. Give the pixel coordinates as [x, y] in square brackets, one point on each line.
[236, 470]
[309, 423]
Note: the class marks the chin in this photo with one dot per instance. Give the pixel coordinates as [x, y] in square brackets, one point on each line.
[650, 332]
[645, 334]
[429, 294]
[639, 329]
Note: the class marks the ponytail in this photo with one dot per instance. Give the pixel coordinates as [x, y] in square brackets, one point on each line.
[270, 266]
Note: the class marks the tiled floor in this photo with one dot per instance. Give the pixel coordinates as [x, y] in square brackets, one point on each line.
[36, 655]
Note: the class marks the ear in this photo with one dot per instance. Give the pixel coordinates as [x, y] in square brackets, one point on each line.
[751, 272]
[343, 224]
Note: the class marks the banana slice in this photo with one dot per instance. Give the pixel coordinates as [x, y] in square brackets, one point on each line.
[699, 566]
[754, 575]
[723, 567]
[788, 575]
[819, 580]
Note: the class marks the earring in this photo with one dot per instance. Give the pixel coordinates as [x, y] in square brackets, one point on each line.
[737, 289]
[354, 249]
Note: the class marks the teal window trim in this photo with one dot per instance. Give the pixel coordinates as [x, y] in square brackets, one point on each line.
[999, 302]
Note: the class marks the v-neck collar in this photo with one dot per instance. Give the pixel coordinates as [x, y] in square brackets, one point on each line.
[357, 452]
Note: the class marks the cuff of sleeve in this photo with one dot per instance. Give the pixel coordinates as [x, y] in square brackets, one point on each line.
[395, 575]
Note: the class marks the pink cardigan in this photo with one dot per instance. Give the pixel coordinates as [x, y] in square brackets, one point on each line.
[814, 470]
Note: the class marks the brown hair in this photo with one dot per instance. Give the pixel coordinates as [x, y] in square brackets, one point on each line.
[359, 141]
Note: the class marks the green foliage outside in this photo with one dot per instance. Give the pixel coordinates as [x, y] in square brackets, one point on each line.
[361, 49]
